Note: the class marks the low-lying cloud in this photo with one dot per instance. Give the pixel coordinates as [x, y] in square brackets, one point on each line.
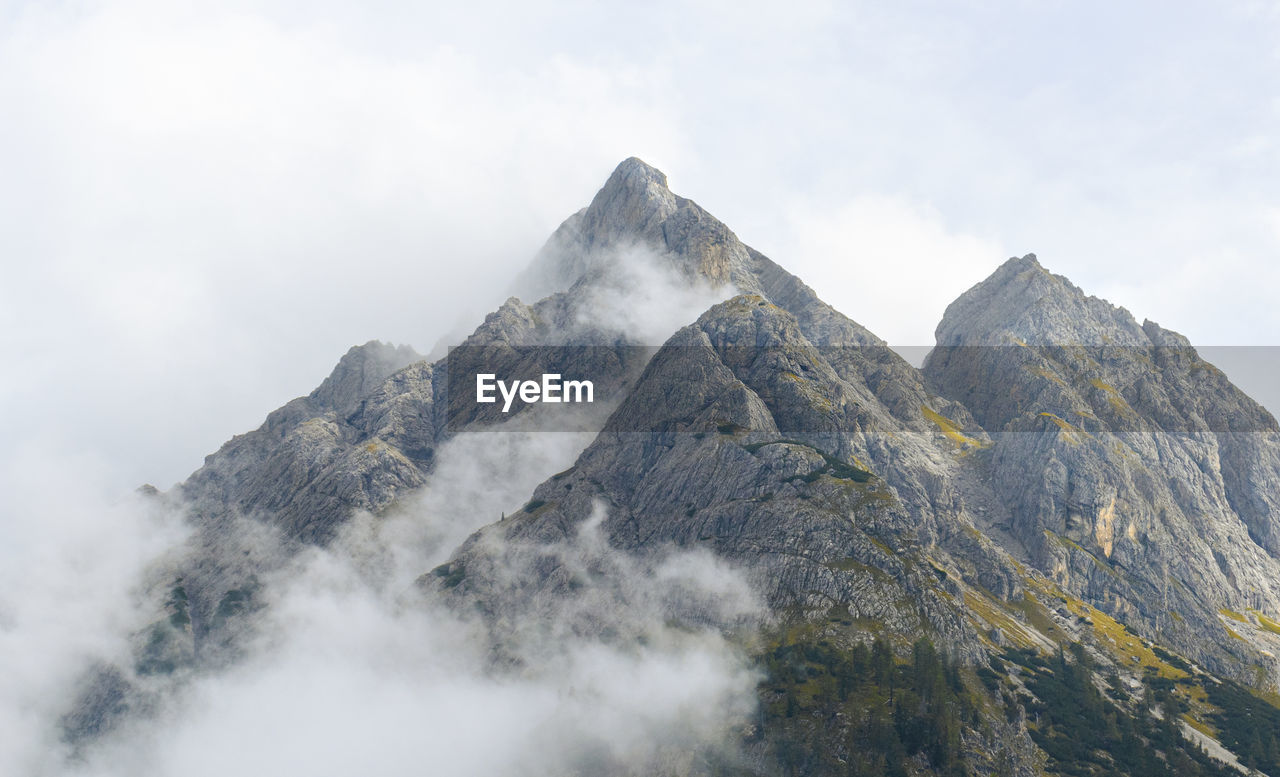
[72, 566]
[351, 673]
[348, 668]
[645, 296]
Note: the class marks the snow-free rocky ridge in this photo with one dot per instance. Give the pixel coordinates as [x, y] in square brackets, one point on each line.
[1058, 479]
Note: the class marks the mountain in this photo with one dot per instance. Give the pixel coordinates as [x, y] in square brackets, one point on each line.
[370, 431]
[1054, 548]
[1131, 469]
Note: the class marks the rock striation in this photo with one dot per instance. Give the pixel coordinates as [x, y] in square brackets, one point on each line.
[1132, 471]
[1057, 477]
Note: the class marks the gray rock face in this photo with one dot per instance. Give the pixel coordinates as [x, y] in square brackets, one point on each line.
[307, 457]
[825, 473]
[1132, 471]
[1055, 463]
[813, 467]
[635, 207]
[368, 434]
[361, 371]
[1023, 300]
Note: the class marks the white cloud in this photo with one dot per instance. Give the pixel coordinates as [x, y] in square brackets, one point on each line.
[347, 678]
[645, 298]
[71, 565]
[205, 207]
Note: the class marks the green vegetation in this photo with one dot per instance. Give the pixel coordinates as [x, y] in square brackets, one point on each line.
[1114, 398]
[1036, 615]
[892, 712]
[988, 610]
[754, 447]
[949, 429]
[834, 467]
[837, 469]
[1169, 658]
[179, 612]
[453, 573]
[1112, 635]
[1267, 623]
[1233, 615]
[1247, 725]
[1086, 734]
[237, 601]
[1044, 373]
[1071, 434]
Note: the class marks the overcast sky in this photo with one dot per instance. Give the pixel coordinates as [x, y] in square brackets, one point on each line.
[203, 205]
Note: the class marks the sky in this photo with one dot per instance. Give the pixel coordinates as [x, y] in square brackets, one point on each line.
[203, 205]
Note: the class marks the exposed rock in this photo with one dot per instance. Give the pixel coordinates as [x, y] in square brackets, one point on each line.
[1056, 473]
[782, 457]
[1136, 475]
[360, 371]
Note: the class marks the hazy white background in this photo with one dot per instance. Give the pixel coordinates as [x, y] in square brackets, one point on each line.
[203, 205]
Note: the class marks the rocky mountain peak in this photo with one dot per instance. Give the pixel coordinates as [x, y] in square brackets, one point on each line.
[1019, 264]
[1116, 447]
[637, 175]
[636, 219]
[1022, 302]
[360, 370]
[1074, 512]
[632, 204]
[1164, 337]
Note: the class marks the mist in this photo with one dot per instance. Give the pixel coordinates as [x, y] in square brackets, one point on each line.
[72, 570]
[205, 205]
[644, 296]
[351, 671]
[350, 665]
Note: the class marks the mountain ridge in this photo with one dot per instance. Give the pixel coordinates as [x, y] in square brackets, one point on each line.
[1019, 491]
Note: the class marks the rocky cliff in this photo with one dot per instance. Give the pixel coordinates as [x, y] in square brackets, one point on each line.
[1130, 469]
[1061, 499]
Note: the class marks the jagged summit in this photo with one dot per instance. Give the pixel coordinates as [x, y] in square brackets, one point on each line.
[360, 371]
[1034, 498]
[635, 217]
[1124, 459]
[1023, 302]
[632, 203]
[1016, 264]
[636, 210]
[636, 174]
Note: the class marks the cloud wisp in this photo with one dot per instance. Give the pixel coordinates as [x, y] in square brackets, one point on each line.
[72, 568]
[351, 672]
[346, 667]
